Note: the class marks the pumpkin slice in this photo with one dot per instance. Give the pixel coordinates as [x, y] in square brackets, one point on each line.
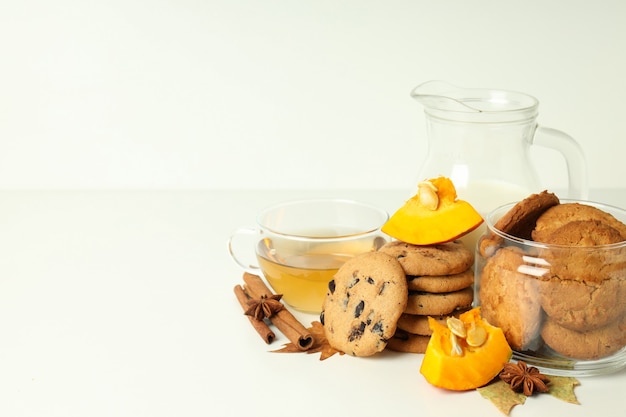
[434, 215]
[466, 354]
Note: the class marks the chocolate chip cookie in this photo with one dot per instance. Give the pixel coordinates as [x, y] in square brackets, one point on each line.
[407, 342]
[418, 324]
[363, 304]
[441, 283]
[430, 304]
[443, 259]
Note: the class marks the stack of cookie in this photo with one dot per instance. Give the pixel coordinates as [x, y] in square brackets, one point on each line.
[440, 282]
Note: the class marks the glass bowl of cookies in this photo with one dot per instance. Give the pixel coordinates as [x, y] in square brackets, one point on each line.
[552, 274]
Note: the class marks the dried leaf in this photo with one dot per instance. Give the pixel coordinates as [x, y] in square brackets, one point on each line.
[562, 387]
[502, 396]
[320, 344]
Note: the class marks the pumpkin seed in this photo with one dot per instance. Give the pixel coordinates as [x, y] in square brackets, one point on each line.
[428, 195]
[476, 336]
[457, 327]
[457, 349]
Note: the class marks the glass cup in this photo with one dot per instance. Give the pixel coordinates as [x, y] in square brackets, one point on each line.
[562, 308]
[298, 246]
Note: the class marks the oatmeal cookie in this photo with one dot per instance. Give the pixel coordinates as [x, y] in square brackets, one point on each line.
[559, 215]
[583, 306]
[577, 257]
[589, 345]
[509, 299]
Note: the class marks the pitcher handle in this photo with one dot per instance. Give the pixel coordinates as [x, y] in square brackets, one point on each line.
[574, 158]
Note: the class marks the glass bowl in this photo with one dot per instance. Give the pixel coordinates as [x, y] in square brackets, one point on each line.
[561, 307]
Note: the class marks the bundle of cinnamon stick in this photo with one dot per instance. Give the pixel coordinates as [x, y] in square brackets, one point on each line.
[255, 291]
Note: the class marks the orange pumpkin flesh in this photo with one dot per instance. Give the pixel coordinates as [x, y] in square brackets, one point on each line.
[475, 367]
[418, 224]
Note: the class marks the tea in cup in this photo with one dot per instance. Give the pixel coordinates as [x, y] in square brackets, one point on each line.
[300, 245]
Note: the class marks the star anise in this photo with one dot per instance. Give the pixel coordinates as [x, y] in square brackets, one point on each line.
[264, 307]
[524, 378]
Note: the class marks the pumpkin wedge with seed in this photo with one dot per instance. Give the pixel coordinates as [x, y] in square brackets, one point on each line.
[434, 215]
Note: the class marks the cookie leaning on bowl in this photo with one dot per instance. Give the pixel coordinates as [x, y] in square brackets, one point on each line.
[519, 221]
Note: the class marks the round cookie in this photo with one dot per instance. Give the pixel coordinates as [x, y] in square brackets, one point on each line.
[441, 283]
[509, 299]
[429, 304]
[584, 233]
[415, 324]
[583, 306]
[407, 342]
[363, 303]
[520, 220]
[588, 345]
[418, 324]
[561, 214]
[443, 259]
[577, 256]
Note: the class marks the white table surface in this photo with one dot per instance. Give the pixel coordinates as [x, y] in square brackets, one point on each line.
[120, 303]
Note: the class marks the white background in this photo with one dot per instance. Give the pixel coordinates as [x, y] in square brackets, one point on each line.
[291, 93]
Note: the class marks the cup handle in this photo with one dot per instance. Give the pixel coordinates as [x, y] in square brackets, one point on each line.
[240, 243]
[574, 158]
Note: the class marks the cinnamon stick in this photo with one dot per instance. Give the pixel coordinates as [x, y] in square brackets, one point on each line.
[283, 320]
[259, 325]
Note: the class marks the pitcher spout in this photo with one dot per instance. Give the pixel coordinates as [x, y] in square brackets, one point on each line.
[444, 100]
[442, 95]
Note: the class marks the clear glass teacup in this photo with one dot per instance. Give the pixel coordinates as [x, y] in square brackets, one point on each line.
[298, 246]
[561, 307]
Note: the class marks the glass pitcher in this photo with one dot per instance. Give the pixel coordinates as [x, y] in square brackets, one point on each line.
[481, 140]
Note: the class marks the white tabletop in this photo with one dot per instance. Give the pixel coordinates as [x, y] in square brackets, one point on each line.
[120, 303]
